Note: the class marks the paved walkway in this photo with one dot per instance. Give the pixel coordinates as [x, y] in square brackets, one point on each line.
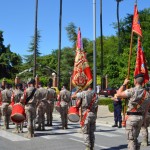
[104, 116]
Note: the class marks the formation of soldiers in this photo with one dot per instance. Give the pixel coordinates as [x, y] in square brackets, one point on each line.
[38, 103]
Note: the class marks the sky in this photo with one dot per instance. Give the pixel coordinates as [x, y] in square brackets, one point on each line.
[17, 19]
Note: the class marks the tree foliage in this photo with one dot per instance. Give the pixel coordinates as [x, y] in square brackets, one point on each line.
[10, 62]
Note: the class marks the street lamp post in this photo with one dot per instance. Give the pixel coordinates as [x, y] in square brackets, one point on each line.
[35, 39]
[59, 50]
[54, 79]
[101, 29]
[94, 45]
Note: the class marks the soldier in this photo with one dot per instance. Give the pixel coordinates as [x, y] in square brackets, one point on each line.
[144, 128]
[1, 89]
[31, 97]
[87, 100]
[64, 98]
[41, 108]
[51, 99]
[6, 108]
[138, 104]
[16, 96]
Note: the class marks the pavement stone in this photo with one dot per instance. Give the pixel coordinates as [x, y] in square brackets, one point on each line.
[104, 116]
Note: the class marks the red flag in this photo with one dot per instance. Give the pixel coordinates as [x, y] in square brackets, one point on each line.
[136, 27]
[141, 66]
[82, 75]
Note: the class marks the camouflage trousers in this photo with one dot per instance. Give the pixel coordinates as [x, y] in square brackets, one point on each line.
[6, 112]
[64, 115]
[144, 128]
[88, 130]
[30, 111]
[133, 126]
[49, 112]
[41, 109]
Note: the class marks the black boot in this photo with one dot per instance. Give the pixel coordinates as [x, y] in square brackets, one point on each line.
[120, 124]
[115, 125]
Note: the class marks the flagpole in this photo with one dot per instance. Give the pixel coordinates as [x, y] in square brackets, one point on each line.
[94, 45]
[129, 61]
[128, 76]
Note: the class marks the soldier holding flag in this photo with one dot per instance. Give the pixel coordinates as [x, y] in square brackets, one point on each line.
[86, 98]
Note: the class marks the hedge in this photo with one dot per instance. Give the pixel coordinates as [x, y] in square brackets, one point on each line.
[109, 102]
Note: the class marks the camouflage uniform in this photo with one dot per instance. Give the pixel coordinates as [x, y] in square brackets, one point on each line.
[134, 122]
[6, 108]
[41, 108]
[0, 103]
[144, 130]
[51, 99]
[89, 126]
[17, 96]
[65, 98]
[30, 109]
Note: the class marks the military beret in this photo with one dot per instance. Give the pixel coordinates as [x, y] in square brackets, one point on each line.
[138, 75]
[31, 81]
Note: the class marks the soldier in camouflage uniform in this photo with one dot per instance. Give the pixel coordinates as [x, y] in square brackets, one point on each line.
[1, 89]
[51, 99]
[30, 107]
[138, 105]
[144, 130]
[6, 108]
[88, 101]
[16, 96]
[64, 98]
[41, 108]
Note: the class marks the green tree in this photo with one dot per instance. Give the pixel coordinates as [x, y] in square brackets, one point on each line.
[29, 58]
[10, 62]
[72, 33]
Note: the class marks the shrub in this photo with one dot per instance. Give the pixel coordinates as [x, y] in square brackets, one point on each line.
[104, 101]
[111, 107]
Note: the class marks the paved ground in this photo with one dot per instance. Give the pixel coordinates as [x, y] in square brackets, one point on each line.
[104, 116]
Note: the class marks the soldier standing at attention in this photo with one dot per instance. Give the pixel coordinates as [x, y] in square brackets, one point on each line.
[31, 97]
[138, 104]
[88, 101]
[41, 108]
[64, 98]
[144, 128]
[16, 96]
[6, 108]
[51, 99]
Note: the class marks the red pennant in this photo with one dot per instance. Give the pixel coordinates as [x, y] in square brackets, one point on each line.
[136, 27]
[141, 66]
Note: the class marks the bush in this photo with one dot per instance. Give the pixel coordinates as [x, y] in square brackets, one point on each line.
[104, 101]
[111, 107]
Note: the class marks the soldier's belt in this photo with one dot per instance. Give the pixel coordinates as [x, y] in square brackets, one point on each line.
[134, 113]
